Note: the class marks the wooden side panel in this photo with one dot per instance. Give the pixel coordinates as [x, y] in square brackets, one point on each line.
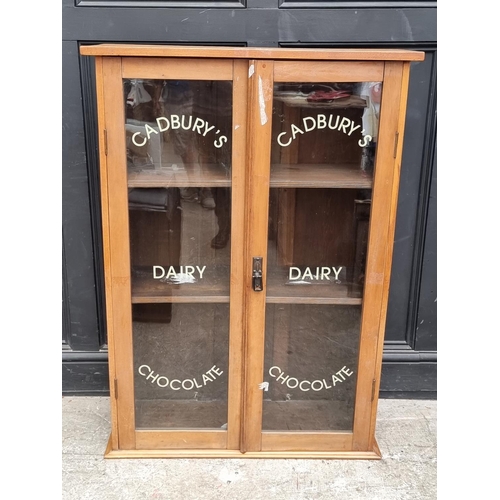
[381, 233]
[259, 154]
[117, 262]
[394, 70]
[103, 171]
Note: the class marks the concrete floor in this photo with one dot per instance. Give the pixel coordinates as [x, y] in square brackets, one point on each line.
[406, 433]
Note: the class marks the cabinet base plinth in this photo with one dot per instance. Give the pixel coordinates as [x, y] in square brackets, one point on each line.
[347, 455]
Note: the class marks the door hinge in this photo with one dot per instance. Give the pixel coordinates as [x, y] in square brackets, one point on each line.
[115, 383]
[373, 388]
[396, 140]
[105, 142]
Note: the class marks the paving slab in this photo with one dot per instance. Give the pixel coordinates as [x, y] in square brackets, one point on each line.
[406, 433]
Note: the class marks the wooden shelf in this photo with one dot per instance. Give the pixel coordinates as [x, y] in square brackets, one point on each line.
[146, 290]
[278, 292]
[308, 175]
[300, 101]
[166, 176]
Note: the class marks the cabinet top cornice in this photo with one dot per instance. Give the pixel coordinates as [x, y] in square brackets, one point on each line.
[127, 50]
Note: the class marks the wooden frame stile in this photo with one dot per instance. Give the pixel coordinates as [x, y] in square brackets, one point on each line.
[118, 277]
[259, 152]
[384, 200]
[113, 439]
[237, 301]
[398, 152]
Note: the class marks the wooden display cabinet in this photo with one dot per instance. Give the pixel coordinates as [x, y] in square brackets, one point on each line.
[248, 205]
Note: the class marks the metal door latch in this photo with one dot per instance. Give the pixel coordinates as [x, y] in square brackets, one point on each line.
[257, 274]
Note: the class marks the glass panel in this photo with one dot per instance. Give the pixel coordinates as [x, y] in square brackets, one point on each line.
[322, 156]
[178, 137]
[311, 358]
[181, 367]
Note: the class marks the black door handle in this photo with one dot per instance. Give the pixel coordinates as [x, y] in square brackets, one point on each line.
[257, 274]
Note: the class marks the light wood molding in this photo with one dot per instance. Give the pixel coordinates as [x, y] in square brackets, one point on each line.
[130, 50]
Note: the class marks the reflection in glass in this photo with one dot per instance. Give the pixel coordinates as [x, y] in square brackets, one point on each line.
[181, 367]
[322, 167]
[311, 366]
[179, 135]
[178, 140]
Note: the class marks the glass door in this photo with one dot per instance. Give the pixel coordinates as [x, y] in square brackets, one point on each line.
[315, 383]
[174, 146]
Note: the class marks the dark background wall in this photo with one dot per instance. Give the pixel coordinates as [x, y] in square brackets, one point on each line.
[410, 358]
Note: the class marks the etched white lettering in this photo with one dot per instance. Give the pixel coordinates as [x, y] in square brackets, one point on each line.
[307, 119]
[172, 385]
[188, 126]
[353, 128]
[325, 272]
[135, 140]
[293, 270]
[201, 271]
[334, 127]
[321, 121]
[295, 130]
[305, 385]
[336, 272]
[317, 388]
[156, 270]
[307, 273]
[150, 375]
[344, 124]
[150, 130]
[185, 382]
[198, 125]
[207, 129]
[175, 121]
[161, 120]
[302, 383]
[279, 140]
[171, 272]
[217, 371]
[141, 367]
[365, 141]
